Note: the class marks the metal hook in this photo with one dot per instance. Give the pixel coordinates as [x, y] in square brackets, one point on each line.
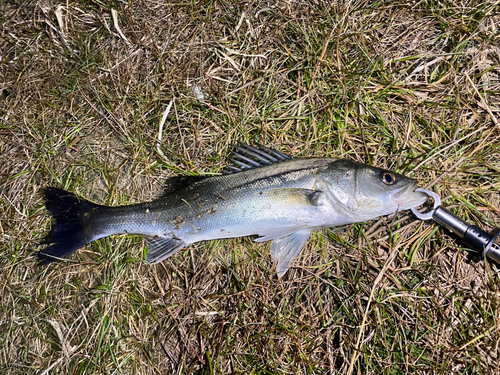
[427, 215]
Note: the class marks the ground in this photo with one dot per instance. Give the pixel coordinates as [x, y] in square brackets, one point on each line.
[412, 86]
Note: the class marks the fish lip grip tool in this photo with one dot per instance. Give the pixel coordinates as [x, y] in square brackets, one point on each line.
[470, 234]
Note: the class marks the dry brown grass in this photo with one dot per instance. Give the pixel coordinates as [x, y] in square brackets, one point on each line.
[414, 86]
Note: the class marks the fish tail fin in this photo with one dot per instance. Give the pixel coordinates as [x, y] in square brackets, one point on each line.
[68, 232]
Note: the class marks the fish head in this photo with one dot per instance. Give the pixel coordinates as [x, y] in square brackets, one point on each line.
[368, 192]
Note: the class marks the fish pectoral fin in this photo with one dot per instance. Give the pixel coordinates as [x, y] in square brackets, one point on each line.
[160, 248]
[284, 249]
[294, 196]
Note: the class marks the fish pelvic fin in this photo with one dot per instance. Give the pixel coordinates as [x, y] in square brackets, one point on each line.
[160, 248]
[286, 248]
[68, 225]
[286, 245]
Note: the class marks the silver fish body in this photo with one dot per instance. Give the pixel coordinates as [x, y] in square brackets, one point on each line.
[283, 201]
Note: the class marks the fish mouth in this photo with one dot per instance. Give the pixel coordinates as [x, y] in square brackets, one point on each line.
[406, 197]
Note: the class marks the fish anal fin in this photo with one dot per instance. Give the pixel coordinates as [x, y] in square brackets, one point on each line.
[284, 249]
[160, 248]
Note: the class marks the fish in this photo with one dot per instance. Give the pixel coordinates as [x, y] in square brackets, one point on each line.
[266, 193]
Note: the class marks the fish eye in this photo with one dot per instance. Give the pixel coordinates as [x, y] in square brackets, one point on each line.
[388, 178]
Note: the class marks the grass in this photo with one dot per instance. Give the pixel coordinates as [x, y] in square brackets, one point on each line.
[411, 86]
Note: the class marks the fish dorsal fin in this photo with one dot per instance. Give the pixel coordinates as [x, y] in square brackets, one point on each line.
[177, 183]
[247, 157]
[160, 248]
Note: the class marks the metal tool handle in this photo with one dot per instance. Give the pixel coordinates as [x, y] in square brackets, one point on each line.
[473, 236]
